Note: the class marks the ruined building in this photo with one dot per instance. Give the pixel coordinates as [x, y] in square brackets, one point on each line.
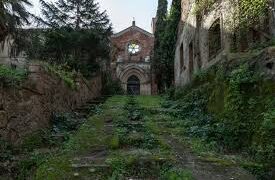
[205, 39]
[131, 60]
[9, 57]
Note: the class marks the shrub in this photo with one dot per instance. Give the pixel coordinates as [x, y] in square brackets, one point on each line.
[10, 76]
[63, 72]
[111, 86]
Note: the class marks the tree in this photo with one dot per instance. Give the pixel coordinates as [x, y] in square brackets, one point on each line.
[165, 43]
[168, 43]
[77, 34]
[76, 14]
[13, 14]
[160, 26]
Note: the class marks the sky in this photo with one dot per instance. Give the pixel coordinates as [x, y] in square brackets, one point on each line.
[122, 12]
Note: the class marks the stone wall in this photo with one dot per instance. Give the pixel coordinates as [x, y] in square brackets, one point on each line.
[29, 108]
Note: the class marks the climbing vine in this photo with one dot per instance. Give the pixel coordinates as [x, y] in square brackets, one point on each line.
[247, 12]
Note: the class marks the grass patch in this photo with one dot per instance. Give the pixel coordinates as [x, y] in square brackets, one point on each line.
[149, 101]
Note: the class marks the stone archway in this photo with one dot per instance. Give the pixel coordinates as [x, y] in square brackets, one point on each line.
[135, 71]
[133, 85]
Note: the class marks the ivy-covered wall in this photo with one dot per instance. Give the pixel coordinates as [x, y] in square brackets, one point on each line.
[213, 29]
[231, 106]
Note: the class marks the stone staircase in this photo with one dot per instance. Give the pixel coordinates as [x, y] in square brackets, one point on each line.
[92, 165]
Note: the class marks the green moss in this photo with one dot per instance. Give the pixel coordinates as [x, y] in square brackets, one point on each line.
[58, 167]
[66, 75]
[177, 174]
[90, 135]
[149, 101]
[219, 161]
[114, 142]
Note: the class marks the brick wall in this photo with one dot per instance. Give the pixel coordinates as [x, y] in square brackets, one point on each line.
[132, 35]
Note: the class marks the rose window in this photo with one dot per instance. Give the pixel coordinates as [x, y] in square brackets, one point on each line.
[133, 48]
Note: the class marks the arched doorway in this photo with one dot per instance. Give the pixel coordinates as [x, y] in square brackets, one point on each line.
[133, 85]
[215, 39]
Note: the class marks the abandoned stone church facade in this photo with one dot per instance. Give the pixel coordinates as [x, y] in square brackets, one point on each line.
[132, 50]
[206, 39]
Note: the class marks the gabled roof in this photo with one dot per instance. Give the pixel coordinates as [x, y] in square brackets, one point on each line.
[133, 27]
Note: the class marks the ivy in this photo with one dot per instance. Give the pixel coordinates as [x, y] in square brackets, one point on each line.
[246, 12]
[231, 105]
[202, 6]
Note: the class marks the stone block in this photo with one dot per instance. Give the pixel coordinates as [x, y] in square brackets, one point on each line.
[271, 51]
[34, 68]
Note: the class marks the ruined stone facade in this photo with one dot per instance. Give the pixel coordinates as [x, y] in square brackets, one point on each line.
[6, 58]
[131, 60]
[205, 39]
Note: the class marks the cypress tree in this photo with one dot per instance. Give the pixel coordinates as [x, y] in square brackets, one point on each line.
[168, 43]
[165, 42]
[160, 26]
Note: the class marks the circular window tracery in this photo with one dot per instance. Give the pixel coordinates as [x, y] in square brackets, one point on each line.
[133, 48]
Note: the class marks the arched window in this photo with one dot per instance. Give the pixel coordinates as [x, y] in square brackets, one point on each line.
[215, 41]
[133, 85]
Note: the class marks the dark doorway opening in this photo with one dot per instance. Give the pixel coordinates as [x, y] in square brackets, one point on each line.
[133, 86]
[215, 39]
[191, 59]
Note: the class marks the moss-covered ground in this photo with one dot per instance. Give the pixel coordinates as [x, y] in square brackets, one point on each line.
[134, 138]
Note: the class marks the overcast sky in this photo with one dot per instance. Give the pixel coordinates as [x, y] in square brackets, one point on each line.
[122, 12]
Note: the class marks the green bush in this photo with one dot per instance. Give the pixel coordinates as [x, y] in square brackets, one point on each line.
[10, 76]
[111, 86]
[63, 72]
[36, 140]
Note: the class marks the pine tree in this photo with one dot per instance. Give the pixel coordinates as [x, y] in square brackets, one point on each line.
[13, 14]
[77, 34]
[76, 14]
